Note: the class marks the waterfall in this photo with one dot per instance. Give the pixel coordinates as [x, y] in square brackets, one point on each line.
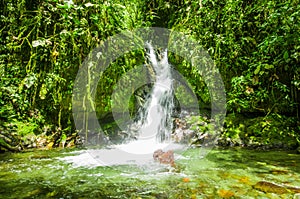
[153, 123]
[155, 118]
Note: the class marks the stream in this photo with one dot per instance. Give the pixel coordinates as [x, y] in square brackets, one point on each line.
[128, 170]
[223, 173]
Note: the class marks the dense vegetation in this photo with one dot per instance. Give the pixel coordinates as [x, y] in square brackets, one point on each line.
[255, 45]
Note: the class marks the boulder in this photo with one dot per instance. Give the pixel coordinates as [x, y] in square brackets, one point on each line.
[164, 157]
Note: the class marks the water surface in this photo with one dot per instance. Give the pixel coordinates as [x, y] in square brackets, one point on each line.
[223, 173]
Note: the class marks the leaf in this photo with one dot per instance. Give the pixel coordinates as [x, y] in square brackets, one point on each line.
[63, 137]
[269, 66]
[62, 6]
[88, 4]
[49, 146]
[30, 80]
[37, 43]
[255, 80]
[64, 32]
[41, 42]
[286, 55]
[43, 92]
[257, 70]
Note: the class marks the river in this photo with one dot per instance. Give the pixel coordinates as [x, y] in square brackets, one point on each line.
[223, 173]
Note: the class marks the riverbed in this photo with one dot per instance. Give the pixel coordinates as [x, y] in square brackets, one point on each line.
[222, 173]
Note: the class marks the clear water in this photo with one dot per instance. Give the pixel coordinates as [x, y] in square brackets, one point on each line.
[45, 174]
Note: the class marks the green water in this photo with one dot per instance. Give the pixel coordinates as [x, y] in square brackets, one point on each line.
[223, 173]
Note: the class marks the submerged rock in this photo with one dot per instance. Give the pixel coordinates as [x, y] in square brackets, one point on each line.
[269, 187]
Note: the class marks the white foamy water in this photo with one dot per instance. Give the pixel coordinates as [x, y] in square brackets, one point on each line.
[156, 118]
[144, 146]
[134, 153]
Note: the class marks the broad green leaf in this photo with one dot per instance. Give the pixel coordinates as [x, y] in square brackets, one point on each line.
[262, 72]
[268, 66]
[257, 70]
[286, 55]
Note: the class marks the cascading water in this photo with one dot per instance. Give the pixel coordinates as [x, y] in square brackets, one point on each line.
[154, 123]
[155, 119]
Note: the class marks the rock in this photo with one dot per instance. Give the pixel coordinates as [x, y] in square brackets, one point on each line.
[181, 132]
[164, 157]
[269, 187]
[157, 154]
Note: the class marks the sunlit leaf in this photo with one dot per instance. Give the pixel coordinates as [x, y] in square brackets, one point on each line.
[43, 92]
[49, 146]
[269, 66]
[89, 4]
[43, 42]
[257, 70]
[37, 43]
[30, 80]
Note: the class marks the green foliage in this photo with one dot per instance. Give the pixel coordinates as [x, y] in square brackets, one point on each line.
[195, 82]
[43, 44]
[199, 124]
[255, 45]
[274, 130]
[24, 129]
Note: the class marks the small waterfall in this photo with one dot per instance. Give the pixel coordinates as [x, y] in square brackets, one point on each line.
[155, 118]
[154, 124]
[154, 121]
